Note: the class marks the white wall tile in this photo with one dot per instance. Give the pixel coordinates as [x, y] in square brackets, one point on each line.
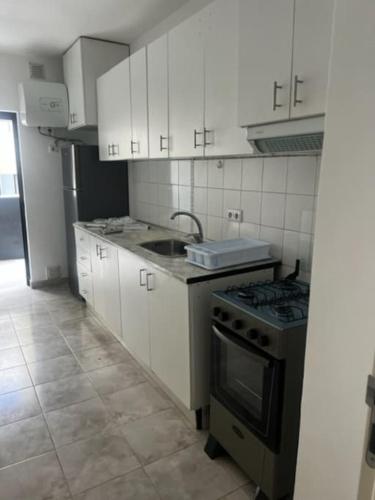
[232, 199]
[143, 171]
[297, 246]
[232, 174]
[173, 172]
[153, 171]
[273, 208]
[230, 229]
[185, 172]
[168, 195]
[249, 230]
[162, 171]
[299, 213]
[184, 198]
[185, 224]
[301, 175]
[252, 172]
[200, 173]
[200, 200]
[152, 194]
[250, 204]
[215, 199]
[275, 237]
[214, 228]
[215, 174]
[274, 174]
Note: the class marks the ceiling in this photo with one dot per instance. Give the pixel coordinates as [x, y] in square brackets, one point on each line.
[48, 27]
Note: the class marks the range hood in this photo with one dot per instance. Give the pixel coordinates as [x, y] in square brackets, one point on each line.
[302, 136]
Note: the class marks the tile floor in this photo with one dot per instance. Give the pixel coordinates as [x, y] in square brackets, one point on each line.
[80, 419]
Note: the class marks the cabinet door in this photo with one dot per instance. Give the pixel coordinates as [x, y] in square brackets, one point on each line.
[134, 308]
[108, 256]
[266, 30]
[169, 333]
[157, 74]
[114, 113]
[186, 88]
[138, 86]
[311, 50]
[224, 136]
[73, 77]
[97, 277]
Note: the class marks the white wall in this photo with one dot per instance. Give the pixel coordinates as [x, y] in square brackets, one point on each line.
[170, 22]
[41, 171]
[341, 334]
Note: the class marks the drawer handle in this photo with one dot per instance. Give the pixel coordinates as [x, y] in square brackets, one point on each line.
[85, 292]
[82, 239]
[83, 258]
[142, 282]
[84, 275]
[237, 431]
[148, 286]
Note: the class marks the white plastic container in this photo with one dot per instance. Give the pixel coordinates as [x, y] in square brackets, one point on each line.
[226, 253]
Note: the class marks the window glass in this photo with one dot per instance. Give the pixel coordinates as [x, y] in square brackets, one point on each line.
[8, 164]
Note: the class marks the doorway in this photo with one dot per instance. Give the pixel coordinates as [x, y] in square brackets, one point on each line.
[14, 259]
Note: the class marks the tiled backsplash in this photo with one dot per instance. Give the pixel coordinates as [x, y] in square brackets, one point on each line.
[276, 195]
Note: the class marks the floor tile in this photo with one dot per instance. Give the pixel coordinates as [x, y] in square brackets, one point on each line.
[159, 435]
[78, 421]
[14, 379]
[190, 475]
[108, 354]
[39, 478]
[8, 339]
[80, 341]
[11, 357]
[65, 392]
[33, 307]
[6, 325]
[134, 486]
[116, 377]
[80, 326]
[31, 319]
[51, 293]
[65, 310]
[40, 351]
[35, 334]
[54, 369]
[245, 493]
[18, 405]
[24, 439]
[89, 463]
[135, 402]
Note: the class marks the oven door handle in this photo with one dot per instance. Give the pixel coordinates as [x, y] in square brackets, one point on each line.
[232, 341]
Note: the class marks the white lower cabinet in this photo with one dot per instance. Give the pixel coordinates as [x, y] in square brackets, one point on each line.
[105, 284]
[134, 305]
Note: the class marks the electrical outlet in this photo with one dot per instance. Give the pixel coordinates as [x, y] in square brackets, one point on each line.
[234, 214]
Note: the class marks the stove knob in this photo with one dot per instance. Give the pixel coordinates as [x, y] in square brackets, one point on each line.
[224, 316]
[263, 340]
[252, 334]
[216, 311]
[237, 324]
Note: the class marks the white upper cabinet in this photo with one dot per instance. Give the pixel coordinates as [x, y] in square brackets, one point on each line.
[312, 40]
[138, 92]
[114, 113]
[223, 134]
[186, 88]
[157, 74]
[83, 63]
[266, 31]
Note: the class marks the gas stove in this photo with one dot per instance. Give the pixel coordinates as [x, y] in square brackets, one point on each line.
[282, 304]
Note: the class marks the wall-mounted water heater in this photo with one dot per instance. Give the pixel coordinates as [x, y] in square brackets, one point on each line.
[43, 104]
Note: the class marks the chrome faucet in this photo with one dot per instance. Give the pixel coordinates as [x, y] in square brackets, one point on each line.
[198, 237]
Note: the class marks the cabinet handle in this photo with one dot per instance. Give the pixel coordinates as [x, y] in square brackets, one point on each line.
[83, 258]
[114, 152]
[297, 81]
[132, 149]
[84, 275]
[109, 150]
[149, 287]
[73, 118]
[84, 292]
[205, 132]
[97, 250]
[162, 147]
[276, 87]
[196, 133]
[141, 281]
[101, 253]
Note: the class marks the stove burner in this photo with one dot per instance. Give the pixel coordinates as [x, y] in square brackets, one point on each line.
[287, 313]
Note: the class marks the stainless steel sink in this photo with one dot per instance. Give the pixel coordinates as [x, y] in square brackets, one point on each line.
[167, 248]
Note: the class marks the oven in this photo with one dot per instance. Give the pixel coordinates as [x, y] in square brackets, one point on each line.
[248, 382]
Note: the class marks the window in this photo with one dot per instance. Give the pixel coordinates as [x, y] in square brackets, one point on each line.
[8, 164]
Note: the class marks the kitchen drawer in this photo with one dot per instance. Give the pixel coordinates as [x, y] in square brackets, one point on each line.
[84, 258]
[82, 240]
[85, 283]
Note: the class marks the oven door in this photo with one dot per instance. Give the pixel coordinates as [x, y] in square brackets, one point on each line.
[248, 383]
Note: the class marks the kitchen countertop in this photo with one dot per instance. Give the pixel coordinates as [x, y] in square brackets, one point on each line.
[177, 267]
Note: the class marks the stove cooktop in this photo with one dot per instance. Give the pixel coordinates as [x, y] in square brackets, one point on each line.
[283, 303]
